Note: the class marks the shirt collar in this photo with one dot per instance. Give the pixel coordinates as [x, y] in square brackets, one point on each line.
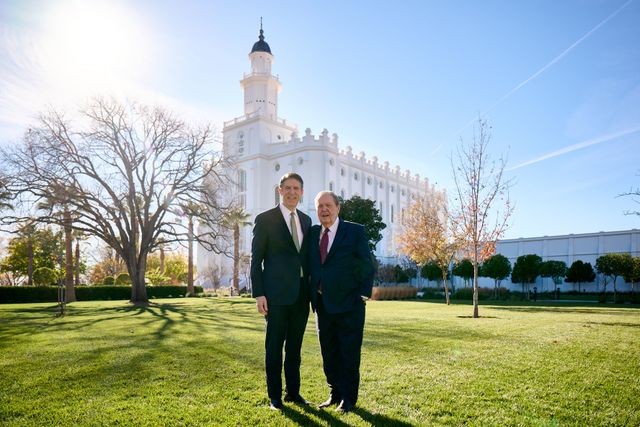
[333, 226]
[285, 210]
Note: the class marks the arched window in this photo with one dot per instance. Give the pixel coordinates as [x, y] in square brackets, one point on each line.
[242, 180]
[331, 186]
[242, 188]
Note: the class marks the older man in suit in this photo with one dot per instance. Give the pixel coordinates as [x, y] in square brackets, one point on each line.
[280, 287]
[341, 268]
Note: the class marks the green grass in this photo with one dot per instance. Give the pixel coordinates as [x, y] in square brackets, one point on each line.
[200, 362]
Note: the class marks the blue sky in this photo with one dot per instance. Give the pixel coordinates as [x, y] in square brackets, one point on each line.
[559, 81]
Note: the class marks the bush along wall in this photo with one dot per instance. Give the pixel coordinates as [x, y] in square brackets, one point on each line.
[393, 292]
[26, 294]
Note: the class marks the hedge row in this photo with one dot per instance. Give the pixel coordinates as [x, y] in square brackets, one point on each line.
[25, 294]
[393, 292]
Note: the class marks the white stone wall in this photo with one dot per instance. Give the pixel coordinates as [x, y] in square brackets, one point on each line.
[569, 248]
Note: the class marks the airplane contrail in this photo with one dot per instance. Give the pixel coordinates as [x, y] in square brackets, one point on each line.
[549, 64]
[578, 146]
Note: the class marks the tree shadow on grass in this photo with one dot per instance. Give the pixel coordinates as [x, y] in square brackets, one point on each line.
[563, 309]
[625, 324]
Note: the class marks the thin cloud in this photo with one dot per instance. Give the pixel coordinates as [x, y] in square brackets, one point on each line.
[578, 146]
[549, 64]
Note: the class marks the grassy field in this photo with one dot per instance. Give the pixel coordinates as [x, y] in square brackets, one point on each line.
[200, 362]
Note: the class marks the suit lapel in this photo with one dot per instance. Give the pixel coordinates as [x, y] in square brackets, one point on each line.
[340, 235]
[303, 224]
[284, 228]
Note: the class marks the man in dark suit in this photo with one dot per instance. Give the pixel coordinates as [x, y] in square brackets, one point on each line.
[280, 287]
[341, 268]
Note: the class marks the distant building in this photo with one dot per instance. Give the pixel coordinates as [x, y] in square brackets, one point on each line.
[569, 248]
[264, 147]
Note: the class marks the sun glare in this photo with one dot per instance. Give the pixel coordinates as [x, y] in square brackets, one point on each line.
[93, 47]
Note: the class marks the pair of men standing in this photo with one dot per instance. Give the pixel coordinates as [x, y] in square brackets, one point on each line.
[329, 265]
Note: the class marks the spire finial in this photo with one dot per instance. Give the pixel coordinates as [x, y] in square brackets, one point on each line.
[261, 32]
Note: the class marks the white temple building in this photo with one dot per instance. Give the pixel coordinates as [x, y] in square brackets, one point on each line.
[264, 146]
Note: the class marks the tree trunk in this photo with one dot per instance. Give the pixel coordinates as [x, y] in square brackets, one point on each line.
[475, 289]
[190, 291]
[446, 289]
[162, 260]
[615, 293]
[136, 273]
[68, 258]
[236, 258]
[77, 262]
[30, 261]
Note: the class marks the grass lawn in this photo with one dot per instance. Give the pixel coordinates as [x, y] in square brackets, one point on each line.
[200, 362]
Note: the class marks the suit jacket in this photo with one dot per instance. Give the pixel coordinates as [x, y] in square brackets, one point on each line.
[347, 273]
[275, 261]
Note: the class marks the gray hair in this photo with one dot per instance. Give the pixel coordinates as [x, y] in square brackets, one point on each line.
[327, 193]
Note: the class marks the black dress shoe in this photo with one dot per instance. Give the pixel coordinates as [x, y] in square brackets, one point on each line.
[295, 398]
[331, 401]
[345, 407]
[275, 404]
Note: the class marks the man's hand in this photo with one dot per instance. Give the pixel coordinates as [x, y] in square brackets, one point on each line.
[261, 303]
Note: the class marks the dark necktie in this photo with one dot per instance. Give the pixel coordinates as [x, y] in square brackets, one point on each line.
[324, 245]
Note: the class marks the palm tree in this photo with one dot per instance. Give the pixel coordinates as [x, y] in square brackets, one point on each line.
[235, 218]
[190, 210]
[78, 236]
[58, 198]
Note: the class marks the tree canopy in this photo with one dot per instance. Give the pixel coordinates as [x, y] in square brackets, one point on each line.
[556, 270]
[464, 270]
[580, 272]
[426, 234]
[364, 212]
[497, 267]
[46, 245]
[526, 270]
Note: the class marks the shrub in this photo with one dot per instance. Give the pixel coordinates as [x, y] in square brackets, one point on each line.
[26, 294]
[467, 294]
[109, 281]
[432, 293]
[123, 279]
[44, 276]
[155, 278]
[393, 292]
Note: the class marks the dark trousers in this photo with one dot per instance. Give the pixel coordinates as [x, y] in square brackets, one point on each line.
[285, 328]
[340, 338]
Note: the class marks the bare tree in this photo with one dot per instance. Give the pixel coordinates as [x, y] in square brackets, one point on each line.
[125, 167]
[482, 201]
[634, 193]
[426, 234]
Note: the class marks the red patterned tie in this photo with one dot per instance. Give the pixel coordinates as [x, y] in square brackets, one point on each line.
[324, 245]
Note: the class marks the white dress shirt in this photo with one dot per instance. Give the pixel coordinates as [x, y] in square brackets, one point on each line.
[286, 213]
[333, 228]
